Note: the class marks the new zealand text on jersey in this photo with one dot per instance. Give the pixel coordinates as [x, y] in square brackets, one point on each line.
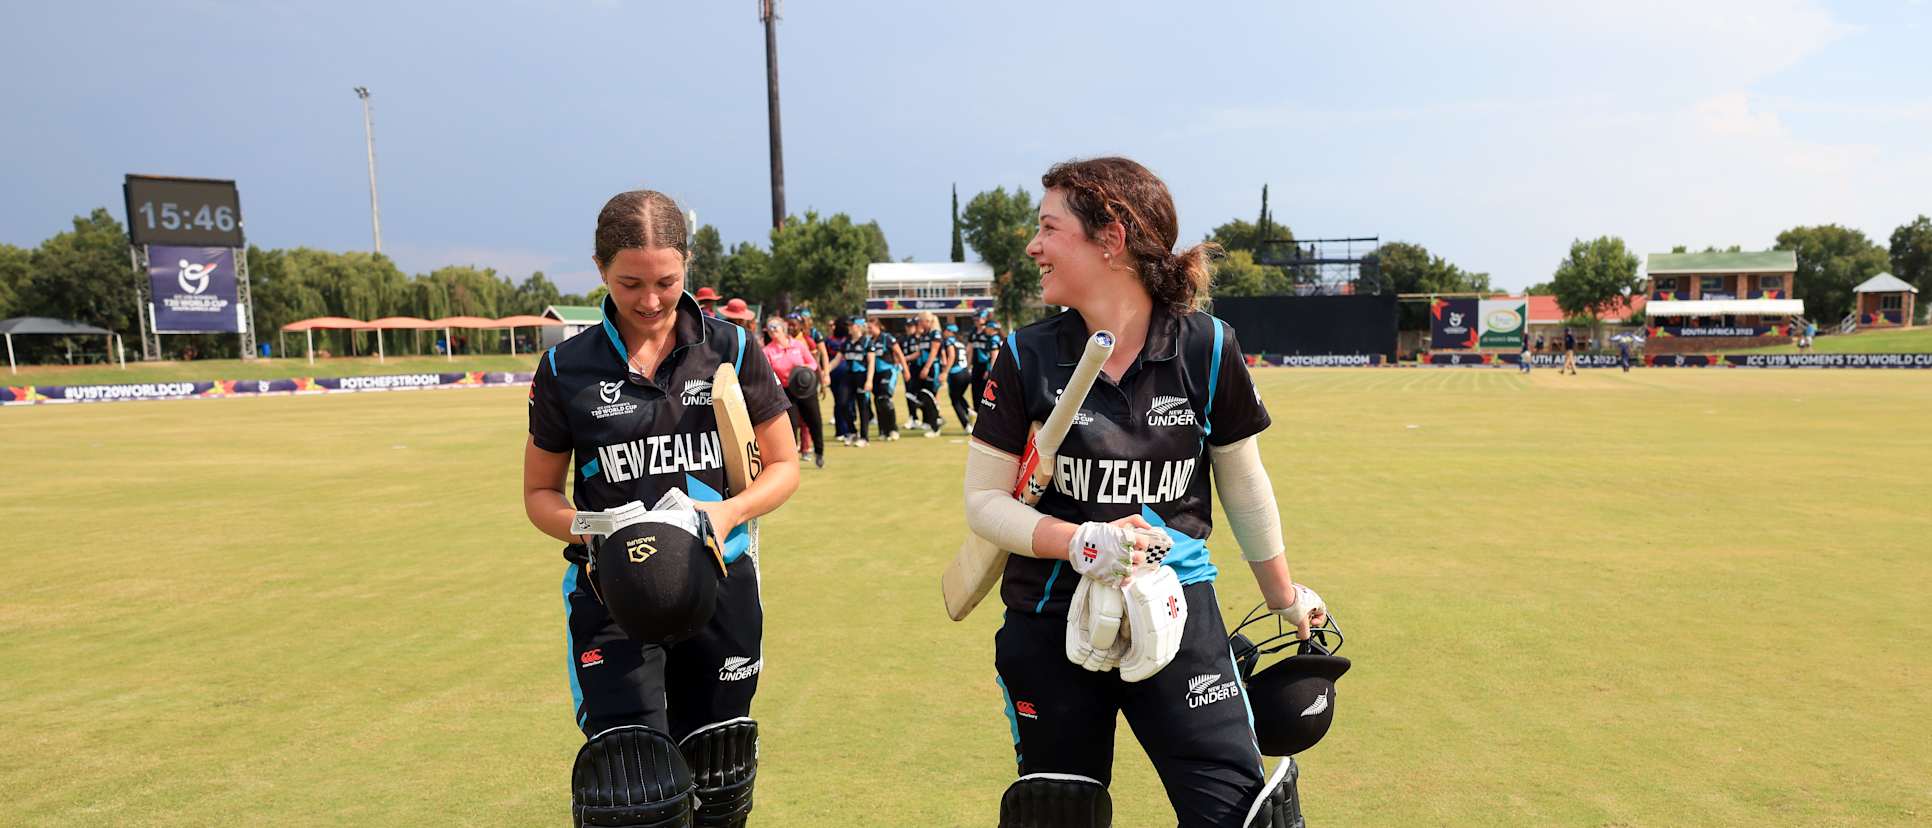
[1122, 481]
[660, 454]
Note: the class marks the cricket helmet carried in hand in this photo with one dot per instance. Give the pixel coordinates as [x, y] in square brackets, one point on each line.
[659, 576]
[1293, 699]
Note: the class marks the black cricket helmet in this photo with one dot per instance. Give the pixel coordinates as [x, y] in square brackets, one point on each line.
[659, 576]
[1293, 699]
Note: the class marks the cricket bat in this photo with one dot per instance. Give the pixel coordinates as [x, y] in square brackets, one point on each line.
[978, 564]
[742, 461]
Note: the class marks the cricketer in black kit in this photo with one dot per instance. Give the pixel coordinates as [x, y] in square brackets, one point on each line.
[1138, 447]
[633, 437]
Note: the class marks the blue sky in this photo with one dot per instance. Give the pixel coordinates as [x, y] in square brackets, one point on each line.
[1491, 132]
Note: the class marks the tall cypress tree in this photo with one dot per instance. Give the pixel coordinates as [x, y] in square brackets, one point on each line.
[1263, 227]
[959, 242]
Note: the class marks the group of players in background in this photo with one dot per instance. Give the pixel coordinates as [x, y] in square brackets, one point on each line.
[865, 366]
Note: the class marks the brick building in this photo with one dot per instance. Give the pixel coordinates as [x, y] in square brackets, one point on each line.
[1715, 301]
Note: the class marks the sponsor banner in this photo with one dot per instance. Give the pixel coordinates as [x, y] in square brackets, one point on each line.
[1717, 294]
[194, 289]
[1922, 361]
[1536, 360]
[1892, 317]
[1465, 359]
[1767, 294]
[1321, 360]
[1453, 324]
[1736, 330]
[1668, 295]
[1502, 322]
[953, 304]
[205, 389]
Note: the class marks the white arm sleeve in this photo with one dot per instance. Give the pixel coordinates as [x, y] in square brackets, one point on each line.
[991, 511]
[1248, 498]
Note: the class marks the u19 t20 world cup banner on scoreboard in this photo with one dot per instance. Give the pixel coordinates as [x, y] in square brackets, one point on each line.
[194, 289]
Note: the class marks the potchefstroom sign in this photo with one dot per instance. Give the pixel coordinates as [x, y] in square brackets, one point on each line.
[194, 290]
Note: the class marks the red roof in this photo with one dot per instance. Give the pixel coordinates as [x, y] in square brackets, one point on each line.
[1543, 310]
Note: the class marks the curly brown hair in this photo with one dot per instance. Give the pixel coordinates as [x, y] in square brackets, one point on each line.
[639, 219]
[1102, 191]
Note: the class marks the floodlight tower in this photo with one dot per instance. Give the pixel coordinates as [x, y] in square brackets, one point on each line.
[768, 14]
[369, 138]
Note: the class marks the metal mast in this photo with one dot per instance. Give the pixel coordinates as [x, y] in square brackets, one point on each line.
[369, 138]
[768, 14]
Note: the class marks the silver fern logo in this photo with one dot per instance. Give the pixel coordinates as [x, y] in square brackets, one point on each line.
[1320, 704]
[696, 392]
[1170, 411]
[1207, 688]
[739, 668]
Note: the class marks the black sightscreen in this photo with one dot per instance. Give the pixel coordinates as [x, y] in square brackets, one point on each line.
[1312, 324]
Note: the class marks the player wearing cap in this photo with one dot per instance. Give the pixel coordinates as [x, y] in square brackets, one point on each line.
[852, 371]
[1173, 405]
[888, 362]
[624, 412]
[954, 357]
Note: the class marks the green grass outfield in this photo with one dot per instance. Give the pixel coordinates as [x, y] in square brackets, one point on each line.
[260, 369]
[1873, 341]
[1659, 598]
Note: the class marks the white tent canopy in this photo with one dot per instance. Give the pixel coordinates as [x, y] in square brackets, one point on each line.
[1723, 307]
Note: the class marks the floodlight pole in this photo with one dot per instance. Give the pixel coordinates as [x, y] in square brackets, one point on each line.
[369, 139]
[768, 14]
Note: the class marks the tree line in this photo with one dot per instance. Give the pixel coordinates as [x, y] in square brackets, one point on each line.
[816, 261]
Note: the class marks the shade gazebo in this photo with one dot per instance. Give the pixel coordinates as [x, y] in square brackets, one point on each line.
[525, 321]
[325, 323]
[396, 323]
[470, 322]
[44, 326]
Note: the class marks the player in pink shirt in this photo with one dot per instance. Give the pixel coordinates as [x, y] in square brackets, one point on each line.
[801, 375]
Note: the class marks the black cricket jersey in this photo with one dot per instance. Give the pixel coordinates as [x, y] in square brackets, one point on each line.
[984, 344]
[951, 348]
[634, 437]
[855, 351]
[1137, 447]
[921, 344]
[881, 348]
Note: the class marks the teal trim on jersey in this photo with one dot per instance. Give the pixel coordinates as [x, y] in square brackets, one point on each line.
[738, 364]
[1013, 719]
[736, 543]
[615, 340]
[570, 646]
[1256, 740]
[553, 361]
[1189, 557]
[590, 469]
[1013, 339]
[1214, 378]
[1037, 608]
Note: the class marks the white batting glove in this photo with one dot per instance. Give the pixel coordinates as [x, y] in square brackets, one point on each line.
[1082, 647]
[1306, 612]
[1109, 553]
[1157, 615]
